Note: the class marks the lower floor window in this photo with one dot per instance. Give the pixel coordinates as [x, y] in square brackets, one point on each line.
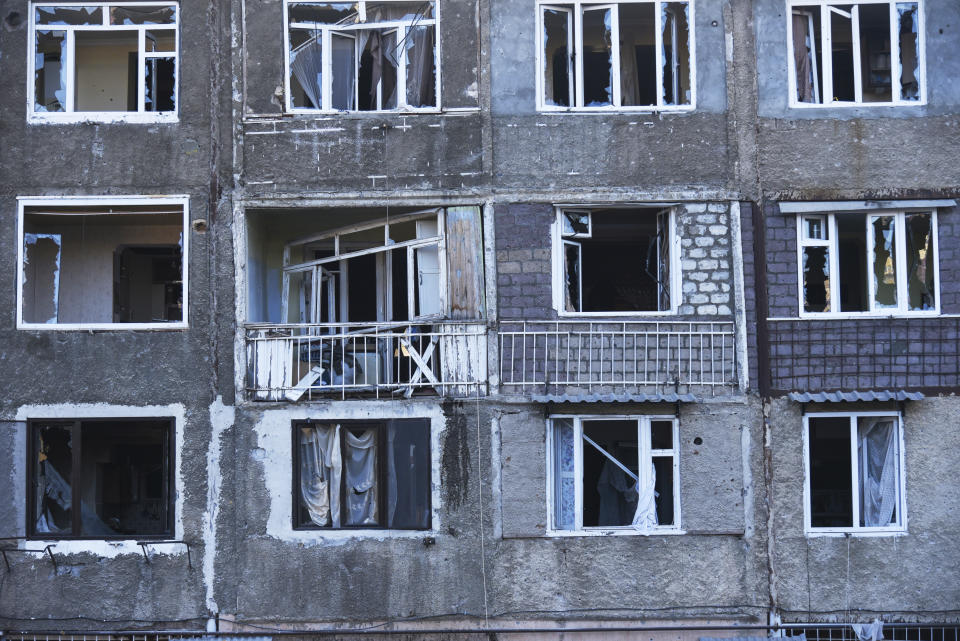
[614, 472]
[854, 472]
[100, 478]
[351, 474]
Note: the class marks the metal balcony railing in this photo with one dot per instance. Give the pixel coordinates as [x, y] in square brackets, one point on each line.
[303, 361]
[578, 356]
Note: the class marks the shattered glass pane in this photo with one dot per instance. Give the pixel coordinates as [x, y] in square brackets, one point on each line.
[323, 12]
[909, 51]
[575, 223]
[306, 69]
[676, 53]
[161, 40]
[50, 71]
[884, 261]
[815, 228]
[556, 57]
[597, 58]
[638, 58]
[816, 279]
[53, 466]
[421, 67]
[400, 11]
[565, 488]
[921, 292]
[69, 15]
[41, 277]
[300, 298]
[572, 277]
[148, 14]
[875, 52]
[159, 77]
[841, 31]
[807, 53]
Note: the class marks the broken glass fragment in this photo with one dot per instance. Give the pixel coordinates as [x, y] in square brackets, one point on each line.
[50, 71]
[921, 290]
[147, 14]
[421, 67]
[597, 57]
[884, 261]
[69, 16]
[816, 279]
[556, 57]
[159, 77]
[909, 51]
[676, 53]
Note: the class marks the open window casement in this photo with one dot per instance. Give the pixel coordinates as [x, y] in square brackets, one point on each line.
[854, 473]
[613, 473]
[118, 263]
[103, 61]
[635, 54]
[361, 56]
[615, 261]
[855, 53]
[876, 263]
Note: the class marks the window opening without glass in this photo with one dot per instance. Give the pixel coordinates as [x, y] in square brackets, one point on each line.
[88, 266]
[615, 260]
[362, 56]
[625, 55]
[614, 472]
[875, 263]
[104, 61]
[362, 475]
[858, 53]
[854, 477]
[100, 478]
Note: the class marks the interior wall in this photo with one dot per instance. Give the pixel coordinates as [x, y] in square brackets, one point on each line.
[102, 75]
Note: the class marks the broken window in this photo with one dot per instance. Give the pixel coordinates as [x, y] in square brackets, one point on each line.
[854, 472]
[104, 61]
[362, 474]
[615, 260]
[878, 262]
[614, 473]
[362, 56]
[855, 53]
[631, 54]
[100, 478]
[88, 266]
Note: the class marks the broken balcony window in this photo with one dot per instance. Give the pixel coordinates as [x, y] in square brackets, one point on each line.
[614, 473]
[101, 478]
[104, 59]
[882, 262]
[854, 472]
[363, 475]
[361, 56]
[629, 54]
[616, 260]
[92, 266]
[874, 53]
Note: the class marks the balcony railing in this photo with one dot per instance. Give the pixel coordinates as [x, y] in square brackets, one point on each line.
[305, 361]
[576, 357]
[864, 354]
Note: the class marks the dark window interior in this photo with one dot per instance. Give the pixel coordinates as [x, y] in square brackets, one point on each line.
[852, 256]
[609, 494]
[101, 478]
[831, 494]
[147, 284]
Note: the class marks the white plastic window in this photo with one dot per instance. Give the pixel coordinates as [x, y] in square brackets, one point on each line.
[614, 473]
[868, 52]
[362, 56]
[854, 473]
[622, 55]
[875, 263]
[114, 61]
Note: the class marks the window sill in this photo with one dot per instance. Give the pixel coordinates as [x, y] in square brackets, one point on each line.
[60, 118]
[622, 531]
[608, 109]
[106, 548]
[101, 327]
[371, 114]
[854, 105]
[854, 532]
[617, 315]
[861, 316]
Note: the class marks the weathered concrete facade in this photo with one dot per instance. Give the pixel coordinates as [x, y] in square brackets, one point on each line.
[718, 358]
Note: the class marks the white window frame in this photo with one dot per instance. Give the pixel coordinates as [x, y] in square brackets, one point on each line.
[575, 31]
[55, 202]
[827, 61]
[400, 26]
[830, 226]
[901, 509]
[69, 115]
[645, 455]
[559, 241]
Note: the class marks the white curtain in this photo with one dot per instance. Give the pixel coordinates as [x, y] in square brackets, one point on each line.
[344, 72]
[629, 87]
[646, 515]
[306, 64]
[361, 470]
[420, 67]
[878, 470]
[320, 465]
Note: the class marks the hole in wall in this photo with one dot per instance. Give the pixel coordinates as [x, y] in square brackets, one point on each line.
[14, 20]
[698, 441]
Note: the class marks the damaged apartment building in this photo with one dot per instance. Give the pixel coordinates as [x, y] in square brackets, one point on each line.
[477, 318]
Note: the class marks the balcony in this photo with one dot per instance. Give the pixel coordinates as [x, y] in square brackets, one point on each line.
[581, 357]
[919, 354]
[292, 362]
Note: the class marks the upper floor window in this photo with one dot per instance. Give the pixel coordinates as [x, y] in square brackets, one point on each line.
[868, 52]
[102, 264]
[614, 261]
[884, 262]
[362, 56]
[631, 54]
[854, 464]
[100, 61]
